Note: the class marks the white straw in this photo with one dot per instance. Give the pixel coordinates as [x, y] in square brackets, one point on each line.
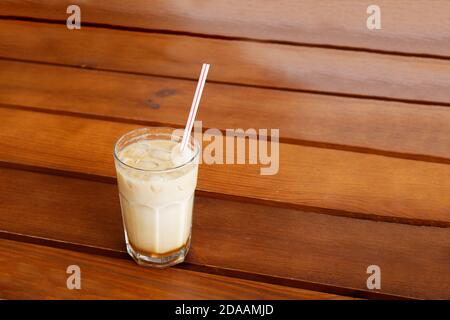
[194, 106]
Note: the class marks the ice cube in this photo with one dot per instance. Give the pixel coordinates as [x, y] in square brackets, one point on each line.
[148, 164]
[156, 183]
[160, 154]
[179, 158]
[140, 150]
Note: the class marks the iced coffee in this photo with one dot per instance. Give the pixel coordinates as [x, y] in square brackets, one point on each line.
[156, 183]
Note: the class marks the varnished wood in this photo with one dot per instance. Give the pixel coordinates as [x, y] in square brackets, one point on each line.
[406, 130]
[30, 271]
[416, 26]
[329, 212]
[300, 68]
[293, 246]
[352, 183]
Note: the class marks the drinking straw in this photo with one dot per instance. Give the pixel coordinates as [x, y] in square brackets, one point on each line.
[194, 106]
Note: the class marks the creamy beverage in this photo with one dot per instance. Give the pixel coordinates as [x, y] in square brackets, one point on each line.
[156, 188]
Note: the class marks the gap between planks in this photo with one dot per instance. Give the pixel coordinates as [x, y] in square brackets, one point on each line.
[216, 195]
[224, 37]
[287, 140]
[247, 85]
[316, 69]
[220, 271]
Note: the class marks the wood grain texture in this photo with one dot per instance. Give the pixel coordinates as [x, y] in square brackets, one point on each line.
[376, 187]
[414, 26]
[243, 62]
[312, 248]
[383, 127]
[30, 271]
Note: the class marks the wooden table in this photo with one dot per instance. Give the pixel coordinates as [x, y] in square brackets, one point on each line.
[364, 122]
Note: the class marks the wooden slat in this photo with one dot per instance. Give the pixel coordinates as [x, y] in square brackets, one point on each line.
[311, 247]
[415, 26]
[29, 271]
[373, 186]
[408, 130]
[243, 62]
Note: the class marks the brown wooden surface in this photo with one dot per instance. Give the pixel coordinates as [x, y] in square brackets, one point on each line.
[370, 185]
[406, 130]
[414, 26]
[31, 271]
[364, 172]
[244, 62]
[322, 249]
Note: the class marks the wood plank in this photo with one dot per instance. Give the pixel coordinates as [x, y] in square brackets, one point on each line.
[407, 26]
[408, 130]
[293, 245]
[243, 62]
[363, 185]
[29, 271]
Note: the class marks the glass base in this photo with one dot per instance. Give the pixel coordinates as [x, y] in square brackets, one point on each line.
[159, 261]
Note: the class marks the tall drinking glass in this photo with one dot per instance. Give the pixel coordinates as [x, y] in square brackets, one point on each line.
[156, 190]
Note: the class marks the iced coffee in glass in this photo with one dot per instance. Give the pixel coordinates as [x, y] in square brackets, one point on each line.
[156, 183]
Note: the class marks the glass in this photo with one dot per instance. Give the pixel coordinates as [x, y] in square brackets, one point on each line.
[156, 194]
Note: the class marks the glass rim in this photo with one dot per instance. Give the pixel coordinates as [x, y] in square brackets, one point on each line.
[143, 129]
